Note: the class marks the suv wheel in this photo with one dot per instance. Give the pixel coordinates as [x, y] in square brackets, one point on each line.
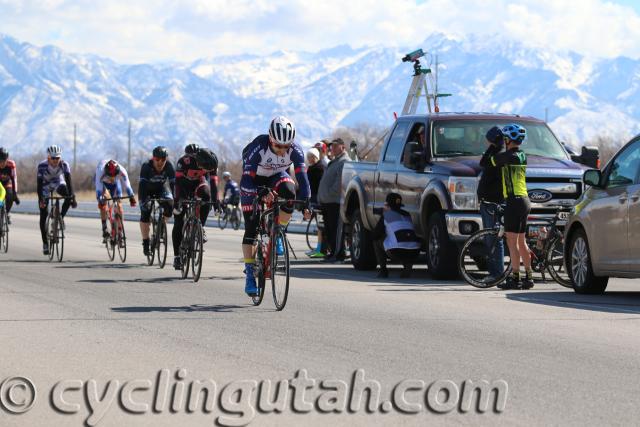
[441, 252]
[363, 256]
[580, 270]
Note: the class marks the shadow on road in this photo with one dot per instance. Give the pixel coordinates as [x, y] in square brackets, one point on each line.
[222, 308]
[71, 264]
[610, 302]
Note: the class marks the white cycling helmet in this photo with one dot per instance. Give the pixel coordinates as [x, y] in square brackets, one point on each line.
[282, 130]
[54, 151]
[226, 174]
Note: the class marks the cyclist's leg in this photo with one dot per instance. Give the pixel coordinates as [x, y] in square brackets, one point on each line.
[102, 207]
[43, 222]
[63, 190]
[496, 262]
[285, 187]
[8, 199]
[145, 217]
[248, 251]
[204, 192]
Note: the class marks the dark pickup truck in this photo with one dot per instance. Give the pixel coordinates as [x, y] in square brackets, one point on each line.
[437, 174]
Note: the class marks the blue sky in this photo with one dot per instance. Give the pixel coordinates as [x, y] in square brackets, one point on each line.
[166, 30]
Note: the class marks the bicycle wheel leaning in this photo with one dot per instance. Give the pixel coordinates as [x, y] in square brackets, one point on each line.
[555, 263]
[311, 233]
[197, 249]
[279, 270]
[4, 230]
[475, 255]
[121, 238]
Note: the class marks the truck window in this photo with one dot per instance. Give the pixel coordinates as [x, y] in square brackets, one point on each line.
[417, 134]
[396, 143]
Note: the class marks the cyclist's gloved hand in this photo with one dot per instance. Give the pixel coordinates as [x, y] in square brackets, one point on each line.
[176, 207]
[74, 204]
[41, 203]
[16, 199]
[132, 201]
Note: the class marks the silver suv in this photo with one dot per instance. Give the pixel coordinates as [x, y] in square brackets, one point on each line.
[603, 232]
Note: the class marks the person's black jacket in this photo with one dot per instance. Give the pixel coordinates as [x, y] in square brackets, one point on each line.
[315, 173]
[490, 185]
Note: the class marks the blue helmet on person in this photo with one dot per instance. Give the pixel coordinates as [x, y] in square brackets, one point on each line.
[515, 133]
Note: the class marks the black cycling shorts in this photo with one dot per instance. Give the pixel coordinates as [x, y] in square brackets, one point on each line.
[516, 213]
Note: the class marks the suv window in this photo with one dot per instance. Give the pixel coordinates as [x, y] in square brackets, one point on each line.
[624, 168]
[396, 142]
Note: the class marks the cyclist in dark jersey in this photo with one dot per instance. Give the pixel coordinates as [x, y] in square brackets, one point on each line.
[513, 162]
[157, 180]
[9, 179]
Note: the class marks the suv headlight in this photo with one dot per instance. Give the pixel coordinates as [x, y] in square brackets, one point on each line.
[463, 192]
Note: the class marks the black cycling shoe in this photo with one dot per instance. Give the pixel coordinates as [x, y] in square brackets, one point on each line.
[177, 263]
[510, 283]
[527, 282]
[145, 247]
[45, 249]
[383, 273]
[105, 236]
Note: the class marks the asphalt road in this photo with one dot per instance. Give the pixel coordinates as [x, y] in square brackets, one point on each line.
[93, 338]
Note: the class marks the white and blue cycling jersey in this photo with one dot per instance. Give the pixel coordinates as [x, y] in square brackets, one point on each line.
[260, 161]
[111, 183]
[51, 177]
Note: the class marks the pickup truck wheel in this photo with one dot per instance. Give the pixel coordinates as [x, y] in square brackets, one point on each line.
[363, 256]
[441, 252]
[580, 269]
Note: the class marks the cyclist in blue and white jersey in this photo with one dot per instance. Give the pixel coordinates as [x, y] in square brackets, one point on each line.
[109, 176]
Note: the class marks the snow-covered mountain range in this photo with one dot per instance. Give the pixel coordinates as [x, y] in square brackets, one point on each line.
[225, 101]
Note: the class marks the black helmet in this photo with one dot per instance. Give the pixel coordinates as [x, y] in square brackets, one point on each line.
[160, 152]
[191, 149]
[495, 135]
[206, 159]
[4, 154]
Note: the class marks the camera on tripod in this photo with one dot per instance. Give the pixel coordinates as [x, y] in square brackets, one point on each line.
[413, 56]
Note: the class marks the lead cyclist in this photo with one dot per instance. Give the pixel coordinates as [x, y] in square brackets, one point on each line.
[264, 164]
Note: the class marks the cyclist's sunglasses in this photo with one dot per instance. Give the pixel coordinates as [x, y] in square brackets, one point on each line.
[159, 159]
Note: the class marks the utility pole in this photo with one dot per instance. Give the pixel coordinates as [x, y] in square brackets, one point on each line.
[129, 149]
[75, 145]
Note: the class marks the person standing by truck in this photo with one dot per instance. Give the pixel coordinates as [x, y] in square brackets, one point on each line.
[315, 170]
[490, 194]
[513, 164]
[329, 199]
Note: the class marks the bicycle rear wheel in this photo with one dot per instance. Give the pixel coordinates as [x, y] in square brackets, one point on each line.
[161, 243]
[555, 263]
[197, 250]
[311, 233]
[4, 230]
[475, 255]
[280, 270]
[121, 239]
[261, 253]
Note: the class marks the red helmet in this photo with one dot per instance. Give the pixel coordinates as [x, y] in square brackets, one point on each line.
[111, 168]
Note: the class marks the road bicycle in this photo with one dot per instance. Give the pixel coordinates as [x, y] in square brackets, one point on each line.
[230, 214]
[55, 228]
[158, 239]
[4, 229]
[192, 245]
[271, 265]
[117, 238]
[545, 241]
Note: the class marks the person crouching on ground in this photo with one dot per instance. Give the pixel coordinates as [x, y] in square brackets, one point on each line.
[395, 237]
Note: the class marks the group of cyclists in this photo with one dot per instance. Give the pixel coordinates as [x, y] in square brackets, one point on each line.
[195, 176]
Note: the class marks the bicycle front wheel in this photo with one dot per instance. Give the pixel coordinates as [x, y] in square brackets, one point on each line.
[222, 220]
[60, 239]
[121, 239]
[476, 255]
[161, 243]
[4, 231]
[197, 250]
[555, 263]
[185, 250]
[260, 266]
[280, 270]
[109, 244]
[153, 240]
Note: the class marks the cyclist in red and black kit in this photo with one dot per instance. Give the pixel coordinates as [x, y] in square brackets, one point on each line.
[196, 175]
[9, 179]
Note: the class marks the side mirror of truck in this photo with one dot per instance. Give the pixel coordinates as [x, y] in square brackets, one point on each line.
[590, 156]
[592, 177]
[413, 155]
